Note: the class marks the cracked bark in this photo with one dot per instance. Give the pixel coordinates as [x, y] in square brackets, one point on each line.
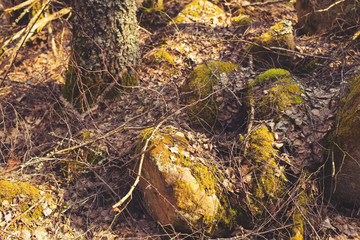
[105, 41]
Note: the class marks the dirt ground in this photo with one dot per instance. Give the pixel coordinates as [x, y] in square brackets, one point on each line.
[46, 142]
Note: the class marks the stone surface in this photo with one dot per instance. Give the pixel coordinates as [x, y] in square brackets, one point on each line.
[204, 91]
[273, 92]
[178, 188]
[202, 12]
[346, 185]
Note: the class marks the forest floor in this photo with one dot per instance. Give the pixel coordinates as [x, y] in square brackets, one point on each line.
[45, 142]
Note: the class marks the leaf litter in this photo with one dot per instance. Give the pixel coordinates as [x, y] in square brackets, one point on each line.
[36, 122]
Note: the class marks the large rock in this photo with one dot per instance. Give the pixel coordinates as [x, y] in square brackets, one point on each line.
[346, 169]
[199, 91]
[202, 12]
[180, 189]
[273, 92]
[267, 49]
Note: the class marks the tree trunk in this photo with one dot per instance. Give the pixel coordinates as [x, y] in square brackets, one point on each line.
[105, 42]
[318, 16]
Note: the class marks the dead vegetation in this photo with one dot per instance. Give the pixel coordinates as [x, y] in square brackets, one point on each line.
[87, 161]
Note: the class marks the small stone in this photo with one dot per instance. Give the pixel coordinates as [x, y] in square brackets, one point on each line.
[5, 203]
[316, 112]
[26, 234]
[277, 145]
[8, 217]
[47, 212]
[298, 121]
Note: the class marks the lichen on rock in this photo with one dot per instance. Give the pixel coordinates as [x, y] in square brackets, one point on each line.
[279, 36]
[198, 91]
[179, 189]
[274, 91]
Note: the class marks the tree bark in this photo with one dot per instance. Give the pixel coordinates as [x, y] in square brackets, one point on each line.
[319, 16]
[105, 42]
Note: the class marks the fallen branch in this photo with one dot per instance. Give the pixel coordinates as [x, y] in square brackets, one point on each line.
[263, 3]
[129, 194]
[329, 7]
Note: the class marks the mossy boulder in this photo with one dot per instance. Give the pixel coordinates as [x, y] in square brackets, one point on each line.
[268, 179]
[202, 12]
[179, 188]
[346, 187]
[161, 58]
[272, 92]
[31, 204]
[279, 36]
[198, 91]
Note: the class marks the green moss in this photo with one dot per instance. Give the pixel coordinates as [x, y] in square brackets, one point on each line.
[242, 20]
[260, 148]
[164, 56]
[199, 10]
[168, 148]
[153, 4]
[204, 175]
[349, 126]
[25, 196]
[301, 205]
[279, 35]
[281, 93]
[281, 96]
[269, 181]
[9, 190]
[270, 75]
[183, 195]
[198, 89]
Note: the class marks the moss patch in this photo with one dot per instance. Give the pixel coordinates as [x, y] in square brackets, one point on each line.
[203, 12]
[198, 91]
[274, 91]
[268, 183]
[241, 19]
[301, 204]
[23, 196]
[279, 35]
[163, 56]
